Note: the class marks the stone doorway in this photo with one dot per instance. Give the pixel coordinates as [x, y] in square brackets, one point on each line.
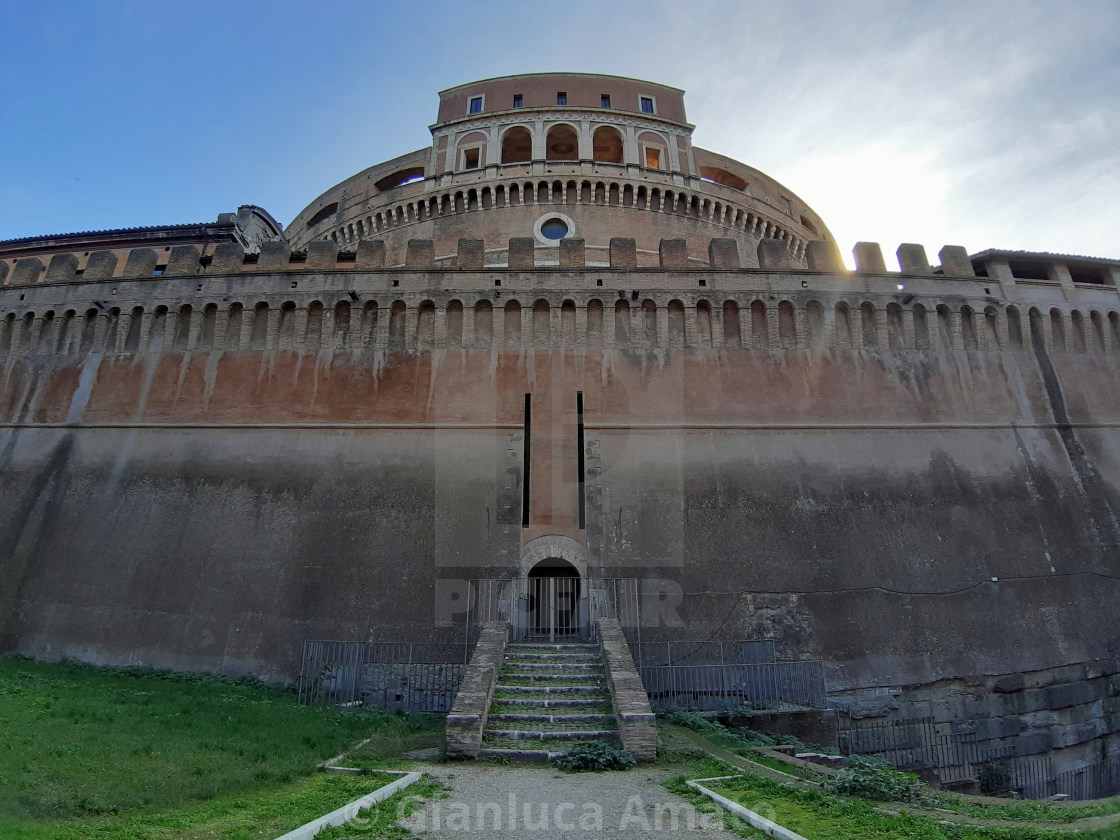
[555, 606]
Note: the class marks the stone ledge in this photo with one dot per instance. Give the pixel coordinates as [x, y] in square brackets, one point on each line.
[467, 718]
[637, 724]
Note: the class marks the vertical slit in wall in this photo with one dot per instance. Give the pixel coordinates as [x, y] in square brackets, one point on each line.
[579, 459]
[528, 447]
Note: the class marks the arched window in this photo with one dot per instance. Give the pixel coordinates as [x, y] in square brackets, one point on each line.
[1057, 330]
[517, 145]
[562, 143]
[621, 324]
[607, 145]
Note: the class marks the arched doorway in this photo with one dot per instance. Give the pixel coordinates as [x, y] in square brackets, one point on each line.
[554, 602]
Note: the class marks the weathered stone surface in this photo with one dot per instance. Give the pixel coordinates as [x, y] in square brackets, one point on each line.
[370, 255]
[62, 268]
[637, 725]
[572, 253]
[274, 256]
[467, 719]
[955, 261]
[141, 262]
[228, 258]
[774, 254]
[322, 255]
[912, 259]
[824, 256]
[673, 253]
[184, 261]
[522, 252]
[471, 254]
[869, 258]
[623, 252]
[723, 253]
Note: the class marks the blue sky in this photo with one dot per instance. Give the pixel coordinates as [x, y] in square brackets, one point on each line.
[985, 124]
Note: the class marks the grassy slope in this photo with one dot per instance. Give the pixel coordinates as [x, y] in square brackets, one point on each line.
[91, 752]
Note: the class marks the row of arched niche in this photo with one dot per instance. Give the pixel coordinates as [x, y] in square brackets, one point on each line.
[398, 325]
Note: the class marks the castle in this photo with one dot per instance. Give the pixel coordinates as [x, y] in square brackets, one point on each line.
[563, 344]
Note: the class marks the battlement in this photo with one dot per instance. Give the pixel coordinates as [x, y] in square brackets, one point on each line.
[326, 299]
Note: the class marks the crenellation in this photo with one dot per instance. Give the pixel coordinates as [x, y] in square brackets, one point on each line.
[420, 255]
[141, 262]
[370, 255]
[869, 258]
[471, 254]
[723, 254]
[773, 256]
[824, 256]
[228, 259]
[572, 254]
[101, 265]
[322, 255]
[183, 262]
[274, 256]
[27, 272]
[955, 261]
[623, 252]
[63, 268]
[912, 259]
[673, 253]
[522, 253]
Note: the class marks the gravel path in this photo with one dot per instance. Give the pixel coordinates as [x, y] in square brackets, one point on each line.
[510, 803]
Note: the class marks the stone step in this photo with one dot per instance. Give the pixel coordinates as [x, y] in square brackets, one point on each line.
[602, 720]
[532, 676]
[545, 689]
[533, 702]
[570, 649]
[576, 668]
[555, 658]
[551, 734]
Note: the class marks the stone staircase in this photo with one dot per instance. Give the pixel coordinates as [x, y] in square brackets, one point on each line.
[548, 697]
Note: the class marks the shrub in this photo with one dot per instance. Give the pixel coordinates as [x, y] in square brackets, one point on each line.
[872, 779]
[592, 756]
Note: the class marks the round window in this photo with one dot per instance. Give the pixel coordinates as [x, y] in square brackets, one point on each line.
[554, 229]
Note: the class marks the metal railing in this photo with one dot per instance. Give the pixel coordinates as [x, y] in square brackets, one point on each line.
[920, 742]
[387, 675]
[768, 685]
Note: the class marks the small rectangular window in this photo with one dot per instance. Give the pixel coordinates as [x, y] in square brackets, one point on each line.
[647, 104]
[605, 100]
[653, 158]
[476, 105]
[517, 100]
[561, 98]
[470, 158]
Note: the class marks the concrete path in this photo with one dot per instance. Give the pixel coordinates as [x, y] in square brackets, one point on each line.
[513, 802]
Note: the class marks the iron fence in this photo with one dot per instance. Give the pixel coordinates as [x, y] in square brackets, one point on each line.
[388, 675]
[748, 652]
[769, 685]
[555, 608]
[918, 743]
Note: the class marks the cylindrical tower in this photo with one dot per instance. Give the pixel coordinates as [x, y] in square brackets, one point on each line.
[560, 155]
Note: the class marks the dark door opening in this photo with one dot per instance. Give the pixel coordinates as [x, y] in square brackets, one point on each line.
[554, 607]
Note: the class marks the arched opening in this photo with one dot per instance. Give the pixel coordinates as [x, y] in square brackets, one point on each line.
[607, 145]
[562, 143]
[554, 608]
[517, 145]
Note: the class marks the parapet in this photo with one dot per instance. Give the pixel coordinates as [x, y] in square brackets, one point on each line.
[525, 254]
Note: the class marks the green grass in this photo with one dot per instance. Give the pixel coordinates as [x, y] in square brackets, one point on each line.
[819, 816]
[1027, 809]
[89, 752]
